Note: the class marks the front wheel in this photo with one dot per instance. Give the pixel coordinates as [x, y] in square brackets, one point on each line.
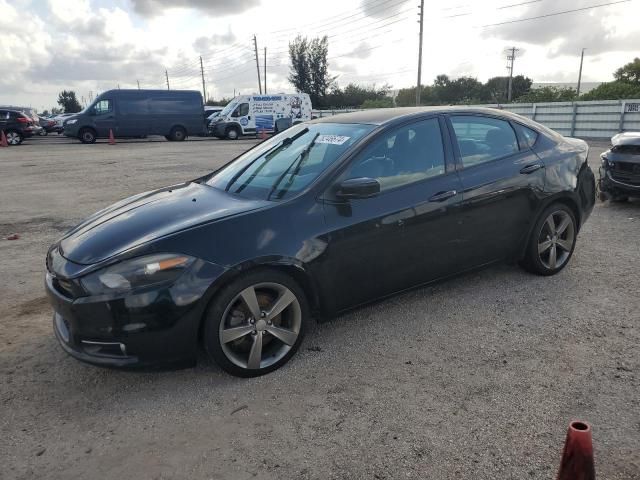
[87, 135]
[233, 133]
[256, 323]
[552, 241]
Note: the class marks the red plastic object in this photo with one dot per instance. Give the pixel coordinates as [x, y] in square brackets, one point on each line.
[13, 236]
[3, 139]
[112, 140]
[577, 455]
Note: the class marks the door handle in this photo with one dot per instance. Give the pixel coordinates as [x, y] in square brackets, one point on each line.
[442, 196]
[531, 168]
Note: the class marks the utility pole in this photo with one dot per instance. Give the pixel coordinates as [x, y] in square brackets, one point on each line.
[421, 21]
[166, 74]
[138, 84]
[265, 70]
[580, 74]
[255, 46]
[511, 57]
[204, 91]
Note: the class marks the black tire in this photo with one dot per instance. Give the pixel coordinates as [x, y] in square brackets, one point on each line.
[14, 138]
[232, 133]
[87, 135]
[224, 301]
[178, 134]
[564, 242]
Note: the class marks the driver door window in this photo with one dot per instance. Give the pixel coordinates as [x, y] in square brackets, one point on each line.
[402, 156]
[241, 111]
[103, 107]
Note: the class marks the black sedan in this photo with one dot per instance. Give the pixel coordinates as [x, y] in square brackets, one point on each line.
[321, 218]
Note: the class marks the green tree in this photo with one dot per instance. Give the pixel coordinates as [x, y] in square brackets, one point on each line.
[497, 88]
[217, 103]
[613, 91]
[548, 94]
[629, 73]
[386, 102]
[68, 101]
[309, 69]
[354, 95]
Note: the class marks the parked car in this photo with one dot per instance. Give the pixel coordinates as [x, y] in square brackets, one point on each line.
[59, 119]
[210, 110]
[620, 168]
[175, 114]
[321, 218]
[16, 126]
[47, 125]
[249, 114]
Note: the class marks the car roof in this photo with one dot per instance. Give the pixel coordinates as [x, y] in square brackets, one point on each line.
[381, 116]
[626, 138]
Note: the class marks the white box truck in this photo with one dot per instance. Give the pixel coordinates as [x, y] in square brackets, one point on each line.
[253, 114]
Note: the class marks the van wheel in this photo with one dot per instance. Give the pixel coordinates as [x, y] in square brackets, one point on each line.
[233, 133]
[87, 135]
[178, 134]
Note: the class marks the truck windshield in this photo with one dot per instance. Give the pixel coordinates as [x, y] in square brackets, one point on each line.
[287, 163]
[230, 107]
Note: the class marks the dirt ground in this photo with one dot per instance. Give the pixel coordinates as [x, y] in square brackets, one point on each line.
[475, 378]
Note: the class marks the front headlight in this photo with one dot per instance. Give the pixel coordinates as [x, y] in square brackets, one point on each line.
[71, 122]
[136, 273]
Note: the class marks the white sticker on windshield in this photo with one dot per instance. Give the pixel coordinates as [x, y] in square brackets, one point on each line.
[332, 139]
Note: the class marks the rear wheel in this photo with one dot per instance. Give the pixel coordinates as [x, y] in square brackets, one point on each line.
[178, 134]
[256, 323]
[552, 241]
[14, 138]
[233, 133]
[87, 135]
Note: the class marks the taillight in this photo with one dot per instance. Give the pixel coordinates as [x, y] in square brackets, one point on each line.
[22, 120]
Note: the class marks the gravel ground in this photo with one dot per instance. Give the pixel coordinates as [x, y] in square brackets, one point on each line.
[475, 378]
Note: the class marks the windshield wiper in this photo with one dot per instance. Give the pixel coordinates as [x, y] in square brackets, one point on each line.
[285, 143]
[298, 163]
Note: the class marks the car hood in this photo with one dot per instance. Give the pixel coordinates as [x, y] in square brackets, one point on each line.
[147, 217]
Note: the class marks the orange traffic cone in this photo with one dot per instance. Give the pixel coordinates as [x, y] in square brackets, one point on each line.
[112, 140]
[577, 455]
[3, 139]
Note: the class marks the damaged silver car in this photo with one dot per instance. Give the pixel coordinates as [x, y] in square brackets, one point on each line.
[620, 168]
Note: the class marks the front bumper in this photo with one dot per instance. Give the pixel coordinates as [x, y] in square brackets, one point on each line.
[609, 185]
[157, 326]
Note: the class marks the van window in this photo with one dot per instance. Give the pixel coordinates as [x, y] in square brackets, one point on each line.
[174, 104]
[132, 105]
[242, 110]
[103, 106]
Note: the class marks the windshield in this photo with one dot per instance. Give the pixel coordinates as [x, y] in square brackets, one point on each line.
[287, 163]
[229, 108]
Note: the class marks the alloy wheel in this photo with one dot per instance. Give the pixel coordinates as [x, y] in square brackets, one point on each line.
[13, 138]
[260, 325]
[556, 239]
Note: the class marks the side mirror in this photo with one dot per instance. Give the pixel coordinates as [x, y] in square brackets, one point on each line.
[363, 187]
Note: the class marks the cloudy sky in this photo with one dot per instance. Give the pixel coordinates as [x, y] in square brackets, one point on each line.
[94, 45]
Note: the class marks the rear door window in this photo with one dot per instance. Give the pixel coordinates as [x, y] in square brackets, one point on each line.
[528, 135]
[483, 139]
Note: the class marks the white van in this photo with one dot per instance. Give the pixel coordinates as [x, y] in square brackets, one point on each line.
[252, 114]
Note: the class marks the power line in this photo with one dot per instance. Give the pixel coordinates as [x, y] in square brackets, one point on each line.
[553, 14]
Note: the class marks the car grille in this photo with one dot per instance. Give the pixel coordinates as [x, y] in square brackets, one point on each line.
[626, 172]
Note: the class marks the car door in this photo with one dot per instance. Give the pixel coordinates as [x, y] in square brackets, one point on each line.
[104, 117]
[502, 184]
[395, 239]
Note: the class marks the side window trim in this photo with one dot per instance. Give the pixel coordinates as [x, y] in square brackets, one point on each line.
[454, 140]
